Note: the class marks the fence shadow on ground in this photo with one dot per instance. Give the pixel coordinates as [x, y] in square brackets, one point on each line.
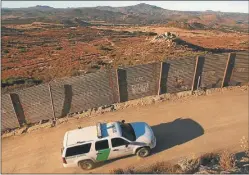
[175, 133]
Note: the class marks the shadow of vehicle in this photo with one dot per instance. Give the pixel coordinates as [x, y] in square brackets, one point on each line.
[175, 133]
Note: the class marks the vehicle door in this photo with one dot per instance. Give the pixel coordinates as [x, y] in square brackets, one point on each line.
[120, 147]
[102, 150]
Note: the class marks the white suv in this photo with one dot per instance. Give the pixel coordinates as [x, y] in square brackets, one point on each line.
[85, 146]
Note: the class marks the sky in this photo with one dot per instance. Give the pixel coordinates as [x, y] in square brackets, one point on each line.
[223, 6]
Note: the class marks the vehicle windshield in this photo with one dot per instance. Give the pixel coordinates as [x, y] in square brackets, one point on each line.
[127, 131]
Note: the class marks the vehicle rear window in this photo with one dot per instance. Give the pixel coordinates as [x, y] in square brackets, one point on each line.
[100, 145]
[81, 149]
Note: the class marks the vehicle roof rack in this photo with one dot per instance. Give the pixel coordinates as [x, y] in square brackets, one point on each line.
[99, 131]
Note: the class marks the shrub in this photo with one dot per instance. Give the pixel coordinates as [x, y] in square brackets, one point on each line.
[227, 160]
[151, 33]
[105, 48]
[5, 51]
[75, 72]
[156, 168]
[189, 165]
[129, 170]
[163, 168]
[140, 33]
[58, 48]
[209, 158]
[23, 49]
[95, 66]
[245, 145]
[19, 80]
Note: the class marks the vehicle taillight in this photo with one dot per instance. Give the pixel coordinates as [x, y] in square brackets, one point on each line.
[64, 160]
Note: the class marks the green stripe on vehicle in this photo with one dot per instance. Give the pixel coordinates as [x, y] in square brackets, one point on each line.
[103, 154]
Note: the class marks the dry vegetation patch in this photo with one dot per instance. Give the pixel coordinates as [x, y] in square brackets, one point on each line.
[208, 163]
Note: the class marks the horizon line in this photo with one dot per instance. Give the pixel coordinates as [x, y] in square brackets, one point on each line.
[50, 6]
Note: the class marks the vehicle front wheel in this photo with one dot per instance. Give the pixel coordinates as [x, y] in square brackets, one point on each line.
[143, 152]
[86, 164]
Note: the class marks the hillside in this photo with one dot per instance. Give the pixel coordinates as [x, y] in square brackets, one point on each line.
[42, 43]
[140, 14]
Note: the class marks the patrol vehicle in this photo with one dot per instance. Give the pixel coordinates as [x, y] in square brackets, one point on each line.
[84, 147]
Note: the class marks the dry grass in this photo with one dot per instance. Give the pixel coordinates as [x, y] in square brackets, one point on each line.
[244, 143]
[189, 165]
[227, 160]
[162, 168]
[156, 168]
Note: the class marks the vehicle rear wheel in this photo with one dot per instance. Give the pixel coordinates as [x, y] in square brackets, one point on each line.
[143, 152]
[86, 164]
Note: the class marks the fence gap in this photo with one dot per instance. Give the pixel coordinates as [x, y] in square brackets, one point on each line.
[229, 69]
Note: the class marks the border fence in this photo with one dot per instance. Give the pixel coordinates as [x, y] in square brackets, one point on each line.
[76, 94]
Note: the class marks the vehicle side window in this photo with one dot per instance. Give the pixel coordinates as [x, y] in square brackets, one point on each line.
[100, 145]
[118, 142]
[81, 149]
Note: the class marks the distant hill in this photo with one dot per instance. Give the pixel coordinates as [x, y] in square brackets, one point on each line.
[140, 14]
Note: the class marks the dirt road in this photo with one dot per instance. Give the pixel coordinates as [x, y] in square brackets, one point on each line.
[191, 125]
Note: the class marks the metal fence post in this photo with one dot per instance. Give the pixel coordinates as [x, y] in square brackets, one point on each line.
[51, 98]
[229, 69]
[159, 81]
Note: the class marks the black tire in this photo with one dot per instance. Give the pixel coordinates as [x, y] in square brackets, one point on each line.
[143, 152]
[86, 164]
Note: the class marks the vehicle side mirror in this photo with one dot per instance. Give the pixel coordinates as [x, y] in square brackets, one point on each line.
[123, 121]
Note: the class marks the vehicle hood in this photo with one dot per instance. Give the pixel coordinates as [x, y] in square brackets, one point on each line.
[143, 132]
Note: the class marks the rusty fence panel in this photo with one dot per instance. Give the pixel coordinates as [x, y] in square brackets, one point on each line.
[8, 116]
[213, 71]
[177, 75]
[139, 81]
[76, 94]
[35, 103]
[105, 87]
[240, 71]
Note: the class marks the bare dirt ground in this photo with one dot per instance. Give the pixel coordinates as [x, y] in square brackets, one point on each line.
[187, 126]
[47, 51]
[204, 38]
